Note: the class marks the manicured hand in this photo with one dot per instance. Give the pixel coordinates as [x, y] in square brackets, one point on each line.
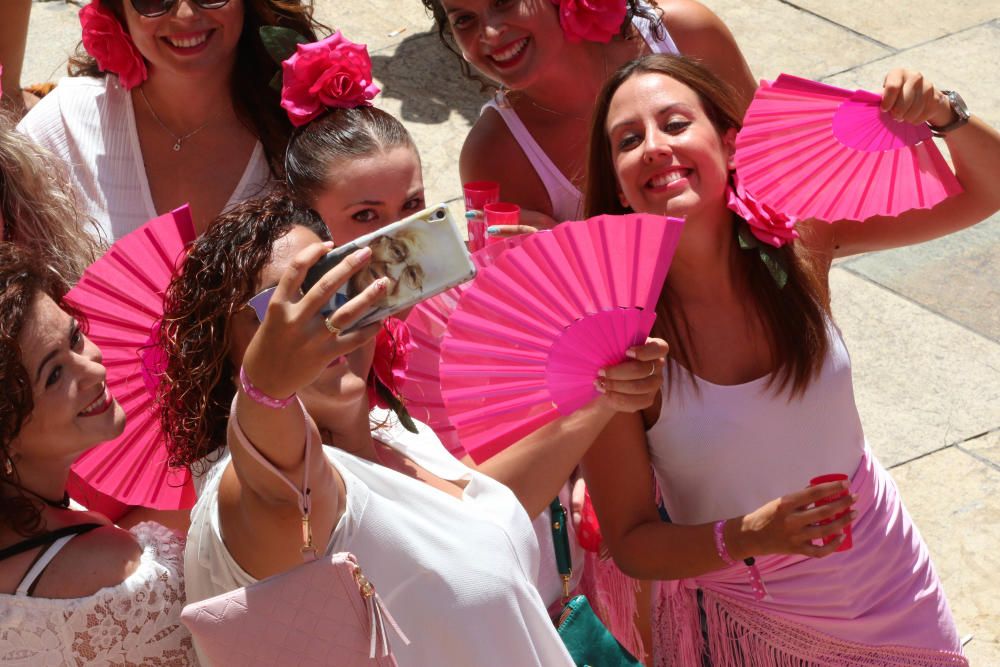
[633, 385]
[787, 525]
[909, 97]
[294, 344]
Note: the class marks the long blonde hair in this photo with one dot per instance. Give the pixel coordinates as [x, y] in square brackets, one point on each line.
[39, 208]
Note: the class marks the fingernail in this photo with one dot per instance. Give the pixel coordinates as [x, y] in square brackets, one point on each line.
[602, 373]
[630, 353]
[493, 230]
[328, 244]
[469, 215]
[381, 284]
[363, 253]
[599, 386]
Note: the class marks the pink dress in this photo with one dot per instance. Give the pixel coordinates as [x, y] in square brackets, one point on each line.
[724, 451]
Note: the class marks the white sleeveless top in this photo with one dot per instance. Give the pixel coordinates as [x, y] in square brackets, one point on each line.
[565, 198]
[727, 450]
[90, 124]
[136, 622]
[458, 575]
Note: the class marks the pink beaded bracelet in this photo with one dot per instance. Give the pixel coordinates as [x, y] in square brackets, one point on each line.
[756, 582]
[258, 396]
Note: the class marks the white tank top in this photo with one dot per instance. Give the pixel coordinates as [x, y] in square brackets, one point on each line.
[565, 198]
[726, 450]
[458, 575]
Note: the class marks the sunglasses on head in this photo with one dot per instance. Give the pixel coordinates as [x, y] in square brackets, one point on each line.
[152, 8]
[258, 303]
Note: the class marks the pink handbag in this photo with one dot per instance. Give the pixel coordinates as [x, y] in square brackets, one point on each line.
[323, 612]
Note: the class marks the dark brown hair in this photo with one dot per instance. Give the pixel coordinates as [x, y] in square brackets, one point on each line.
[794, 317]
[218, 277]
[23, 277]
[633, 8]
[257, 104]
[338, 134]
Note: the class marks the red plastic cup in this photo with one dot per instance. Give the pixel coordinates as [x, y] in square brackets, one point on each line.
[501, 213]
[834, 477]
[478, 194]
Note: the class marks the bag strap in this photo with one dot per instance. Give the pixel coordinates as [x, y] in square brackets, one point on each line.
[560, 541]
[308, 549]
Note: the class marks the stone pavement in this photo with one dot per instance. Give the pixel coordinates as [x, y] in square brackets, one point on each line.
[922, 323]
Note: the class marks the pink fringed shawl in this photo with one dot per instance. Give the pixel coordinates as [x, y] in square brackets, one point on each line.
[880, 603]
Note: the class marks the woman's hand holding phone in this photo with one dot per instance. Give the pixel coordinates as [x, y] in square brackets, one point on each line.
[294, 343]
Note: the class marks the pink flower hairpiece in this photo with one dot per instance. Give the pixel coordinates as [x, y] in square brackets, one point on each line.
[767, 225]
[331, 73]
[109, 44]
[591, 20]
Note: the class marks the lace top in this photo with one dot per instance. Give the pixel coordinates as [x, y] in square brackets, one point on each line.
[134, 623]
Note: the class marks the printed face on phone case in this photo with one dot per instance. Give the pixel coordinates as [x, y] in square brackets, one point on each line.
[397, 258]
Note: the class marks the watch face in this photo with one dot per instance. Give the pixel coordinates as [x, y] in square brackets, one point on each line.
[958, 104]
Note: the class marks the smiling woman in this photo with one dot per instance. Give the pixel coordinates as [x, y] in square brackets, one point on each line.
[170, 103]
[54, 560]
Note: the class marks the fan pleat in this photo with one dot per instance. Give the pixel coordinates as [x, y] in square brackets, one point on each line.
[809, 150]
[505, 364]
[121, 296]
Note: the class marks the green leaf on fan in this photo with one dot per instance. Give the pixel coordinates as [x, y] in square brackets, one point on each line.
[280, 42]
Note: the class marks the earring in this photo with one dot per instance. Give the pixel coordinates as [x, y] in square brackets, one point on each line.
[8, 467]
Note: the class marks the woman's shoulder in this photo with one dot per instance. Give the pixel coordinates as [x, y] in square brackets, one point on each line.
[77, 97]
[111, 559]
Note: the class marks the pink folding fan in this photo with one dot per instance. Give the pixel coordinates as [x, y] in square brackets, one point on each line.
[810, 150]
[420, 383]
[526, 340]
[121, 295]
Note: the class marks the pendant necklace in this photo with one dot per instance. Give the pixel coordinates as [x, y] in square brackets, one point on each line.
[563, 113]
[178, 140]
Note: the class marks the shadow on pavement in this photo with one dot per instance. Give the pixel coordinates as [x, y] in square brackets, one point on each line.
[427, 79]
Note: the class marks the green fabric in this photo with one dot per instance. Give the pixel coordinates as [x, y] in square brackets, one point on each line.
[590, 643]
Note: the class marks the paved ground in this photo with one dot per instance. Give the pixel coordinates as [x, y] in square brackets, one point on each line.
[922, 323]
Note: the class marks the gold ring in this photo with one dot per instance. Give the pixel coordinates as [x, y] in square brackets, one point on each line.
[328, 321]
[652, 370]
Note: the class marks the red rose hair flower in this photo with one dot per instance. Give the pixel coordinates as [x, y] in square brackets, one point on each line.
[591, 20]
[109, 44]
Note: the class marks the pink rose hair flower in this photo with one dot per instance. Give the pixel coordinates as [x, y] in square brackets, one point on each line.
[767, 225]
[111, 46]
[591, 20]
[391, 353]
[331, 73]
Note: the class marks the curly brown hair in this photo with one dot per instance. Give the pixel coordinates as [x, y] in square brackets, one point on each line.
[257, 104]
[633, 8]
[218, 277]
[23, 276]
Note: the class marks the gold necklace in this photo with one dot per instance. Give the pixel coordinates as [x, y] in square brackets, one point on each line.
[178, 140]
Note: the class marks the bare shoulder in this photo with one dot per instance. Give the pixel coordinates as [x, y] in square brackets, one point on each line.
[491, 153]
[686, 17]
[103, 557]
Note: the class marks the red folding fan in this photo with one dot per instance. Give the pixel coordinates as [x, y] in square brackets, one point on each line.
[526, 340]
[420, 383]
[121, 295]
[810, 150]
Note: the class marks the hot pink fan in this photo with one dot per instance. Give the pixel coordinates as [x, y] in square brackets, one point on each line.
[527, 339]
[810, 150]
[121, 295]
[420, 383]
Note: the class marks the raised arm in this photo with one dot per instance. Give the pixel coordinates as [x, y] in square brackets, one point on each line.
[259, 512]
[620, 480]
[975, 153]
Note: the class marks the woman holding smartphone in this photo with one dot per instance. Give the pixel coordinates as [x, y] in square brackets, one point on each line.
[429, 532]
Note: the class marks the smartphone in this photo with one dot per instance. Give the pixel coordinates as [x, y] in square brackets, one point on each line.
[423, 255]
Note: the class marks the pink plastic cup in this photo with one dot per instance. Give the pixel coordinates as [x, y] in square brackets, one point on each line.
[834, 477]
[501, 213]
[479, 194]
